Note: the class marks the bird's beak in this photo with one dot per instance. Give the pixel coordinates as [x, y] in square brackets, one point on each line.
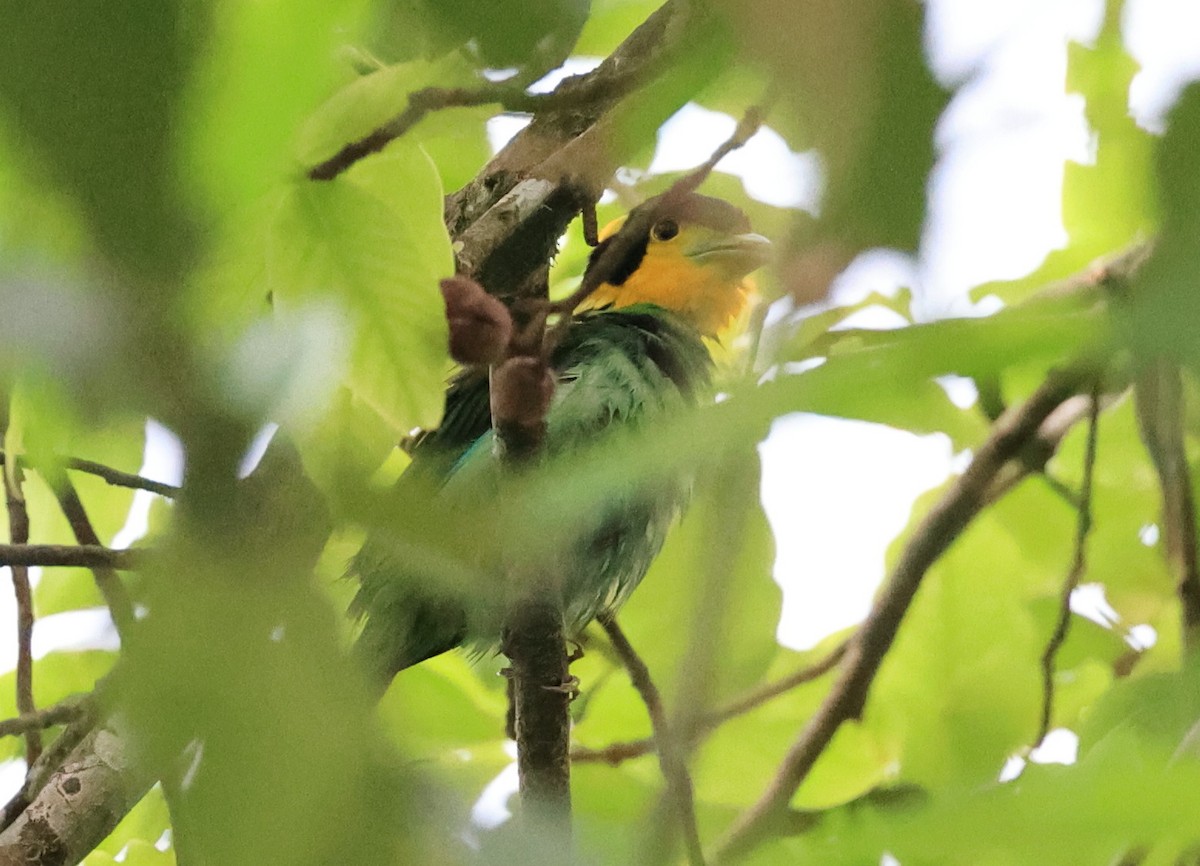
[738, 254]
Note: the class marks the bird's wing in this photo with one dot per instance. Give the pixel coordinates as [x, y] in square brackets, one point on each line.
[614, 367]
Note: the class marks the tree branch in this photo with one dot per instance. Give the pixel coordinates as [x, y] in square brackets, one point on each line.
[521, 387]
[115, 477]
[670, 756]
[944, 523]
[1078, 565]
[79, 803]
[583, 93]
[70, 556]
[617, 753]
[1159, 399]
[64, 711]
[18, 532]
[637, 226]
[114, 592]
[511, 215]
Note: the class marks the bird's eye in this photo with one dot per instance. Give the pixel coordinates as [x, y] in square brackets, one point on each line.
[664, 230]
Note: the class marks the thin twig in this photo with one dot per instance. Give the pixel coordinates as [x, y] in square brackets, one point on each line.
[115, 477]
[64, 711]
[638, 224]
[1078, 565]
[944, 523]
[18, 532]
[115, 595]
[617, 753]
[1045, 445]
[70, 556]
[1161, 417]
[580, 93]
[760, 696]
[670, 757]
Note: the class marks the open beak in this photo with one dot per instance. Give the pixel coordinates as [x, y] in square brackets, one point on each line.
[737, 254]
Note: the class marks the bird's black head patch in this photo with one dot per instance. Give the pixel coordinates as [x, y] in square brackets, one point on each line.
[688, 208]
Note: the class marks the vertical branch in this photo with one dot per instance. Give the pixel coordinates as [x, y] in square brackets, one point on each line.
[670, 754]
[941, 526]
[536, 645]
[1078, 565]
[18, 531]
[107, 580]
[1159, 399]
[521, 387]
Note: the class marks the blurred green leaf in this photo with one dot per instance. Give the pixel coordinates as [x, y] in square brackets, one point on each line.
[1166, 306]
[142, 827]
[367, 102]
[1110, 202]
[252, 670]
[265, 67]
[137, 852]
[96, 92]
[374, 242]
[610, 22]
[854, 83]
[662, 612]
[422, 698]
[56, 676]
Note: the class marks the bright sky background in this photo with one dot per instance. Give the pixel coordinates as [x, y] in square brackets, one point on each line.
[838, 491]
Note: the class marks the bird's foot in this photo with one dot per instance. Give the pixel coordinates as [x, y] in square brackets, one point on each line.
[576, 652]
[569, 687]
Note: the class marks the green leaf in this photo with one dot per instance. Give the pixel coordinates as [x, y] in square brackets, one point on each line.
[1109, 203]
[95, 92]
[855, 84]
[610, 22]
[373, 241]
[455, 138]
[138, 853]
[265, 68]
[423, 697]
[1166, 305]
[56, 676]
[724, 530]
[142, 827]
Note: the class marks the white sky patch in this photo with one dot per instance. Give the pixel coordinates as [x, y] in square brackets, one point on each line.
[1089, 601]
[258, 447]
[88, 629]
[1013, 767]
[1149, 534]
[491, 809]
[995, 207]
[872, 318]
[771, 171]
[961, 35]
[961, 390]
[162, 461]
[1161, 35]
[1142, 637]
[1061, 746]
[12, 777]
[836, 492]
[877, 271]
[502, 127]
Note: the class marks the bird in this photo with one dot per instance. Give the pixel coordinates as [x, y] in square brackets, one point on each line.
[638, 347]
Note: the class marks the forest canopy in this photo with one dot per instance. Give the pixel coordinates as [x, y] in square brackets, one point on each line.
[220, 218]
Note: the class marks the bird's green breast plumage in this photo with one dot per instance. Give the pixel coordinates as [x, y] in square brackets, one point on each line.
[614, 367]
